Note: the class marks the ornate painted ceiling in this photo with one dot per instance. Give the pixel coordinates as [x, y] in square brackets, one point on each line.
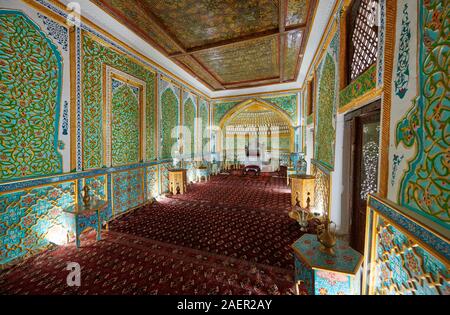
[226, 44]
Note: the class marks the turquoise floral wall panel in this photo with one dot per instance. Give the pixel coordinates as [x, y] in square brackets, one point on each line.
[189, 115]
[403, 267]
[152, 181]
[30, 219]
[420, 114]
[128, 190]
[164, 177]
[169, 120]
[325, 112]
[94, 56]
[331, 283]
[30, 99]
[97, 186]
[288, 103]
[404, 255]
[221, 108]
[125, 126]
[204, 116]
[364, 83]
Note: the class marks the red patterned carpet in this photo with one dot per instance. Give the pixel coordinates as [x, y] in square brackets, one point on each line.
[229, 236]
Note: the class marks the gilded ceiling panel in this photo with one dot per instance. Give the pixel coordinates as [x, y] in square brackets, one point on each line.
[293, 45]
[224, 43]
[130, 14]
[199, 71]
[200, 22]
[297, 12]
[252, 60]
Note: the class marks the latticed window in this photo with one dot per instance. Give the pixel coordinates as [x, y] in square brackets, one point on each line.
[363, 36]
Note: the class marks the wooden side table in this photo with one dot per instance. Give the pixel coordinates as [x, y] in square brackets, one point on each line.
[324, 274]
[290, 171]
[79, 218]
[301, 185]
[178, 181]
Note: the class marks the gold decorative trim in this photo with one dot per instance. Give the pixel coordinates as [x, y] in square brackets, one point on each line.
[362, 100]
[73, 101]
[226, 98]
[438, 231]
[372, 239]
[321, 45]
[389, 50]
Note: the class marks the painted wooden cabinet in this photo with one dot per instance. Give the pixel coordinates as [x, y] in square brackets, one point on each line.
[324, 274]
[177, 181]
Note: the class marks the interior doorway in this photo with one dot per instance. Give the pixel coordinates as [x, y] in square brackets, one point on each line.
[363, 126]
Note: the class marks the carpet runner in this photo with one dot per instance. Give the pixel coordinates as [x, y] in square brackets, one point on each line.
[231, 235]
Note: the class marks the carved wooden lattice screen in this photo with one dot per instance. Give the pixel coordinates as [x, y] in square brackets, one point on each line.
[363, 26]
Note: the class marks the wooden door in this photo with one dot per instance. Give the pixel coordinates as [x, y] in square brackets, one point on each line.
[365, 133]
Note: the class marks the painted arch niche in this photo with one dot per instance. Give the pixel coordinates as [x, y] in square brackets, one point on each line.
[189, 115]
[169, 121]
[256, 132]
[31, 74]
[125, 125]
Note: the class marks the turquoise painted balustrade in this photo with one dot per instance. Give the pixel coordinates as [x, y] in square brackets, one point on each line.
[407, 254]
[31, 210]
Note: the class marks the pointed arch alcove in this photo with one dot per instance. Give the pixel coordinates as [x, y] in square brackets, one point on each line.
[255, 132]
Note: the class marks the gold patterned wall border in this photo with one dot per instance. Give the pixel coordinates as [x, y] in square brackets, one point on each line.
[110, 74]
[322, 188]
[323, 43]
[361, 101]
[389, 49]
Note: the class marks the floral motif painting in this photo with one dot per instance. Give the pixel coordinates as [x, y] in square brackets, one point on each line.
[94, 56]
[324, 126]
[364, 83]
[30, 99]
[287, 103]
[402, 73]
[425, 186]
[169, 120]
[221, 108]
[204, 114]
[404, 267]
[128, 190]
[125, 126]
[28, 217]
[189, 123]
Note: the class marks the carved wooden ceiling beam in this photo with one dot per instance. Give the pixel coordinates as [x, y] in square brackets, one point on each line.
[242, 39]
